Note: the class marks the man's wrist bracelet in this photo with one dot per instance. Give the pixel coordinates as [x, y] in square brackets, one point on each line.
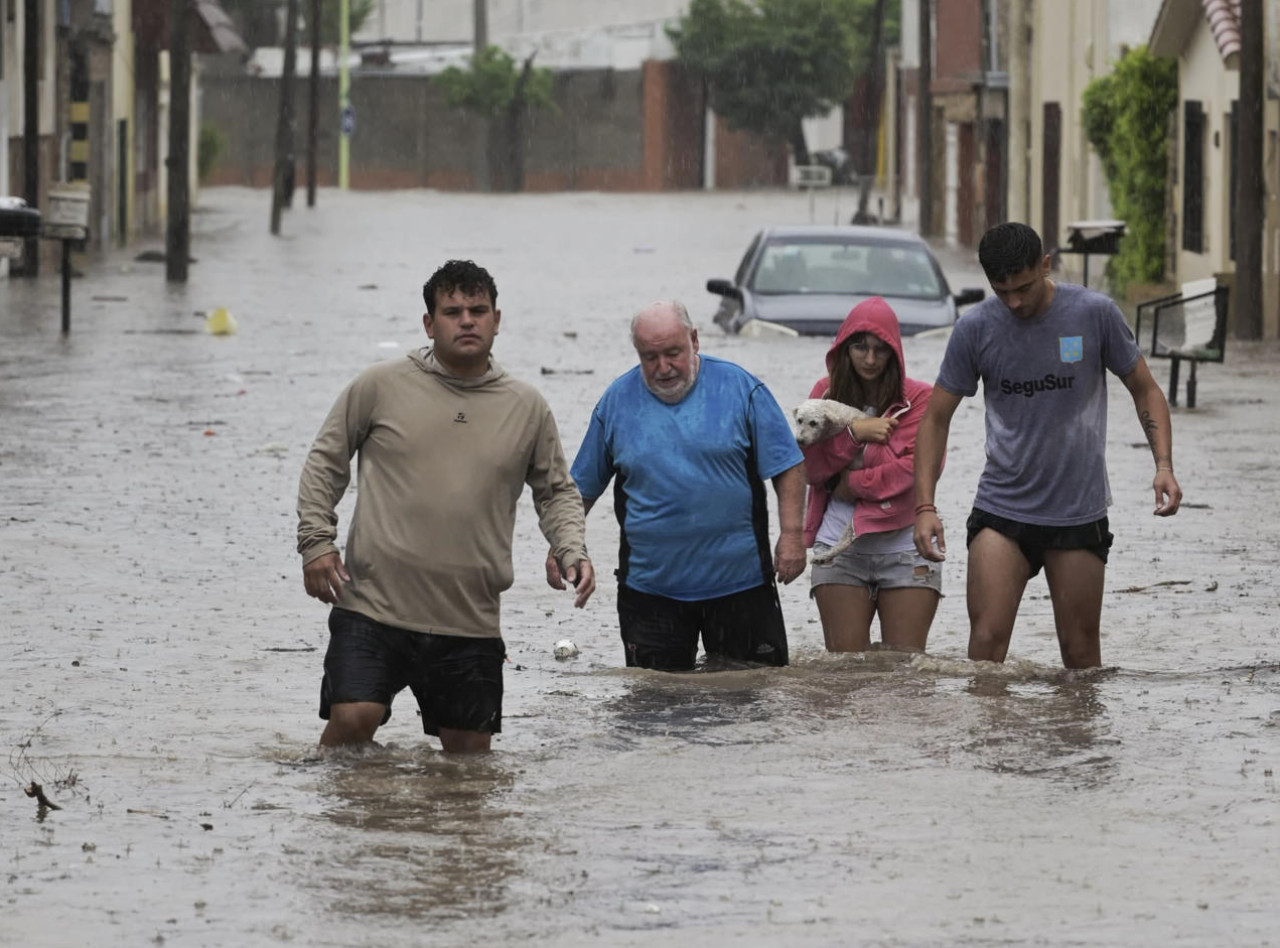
[921, 508]
[1164, 468]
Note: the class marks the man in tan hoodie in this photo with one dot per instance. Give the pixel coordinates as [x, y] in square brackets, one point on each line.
[447, 440]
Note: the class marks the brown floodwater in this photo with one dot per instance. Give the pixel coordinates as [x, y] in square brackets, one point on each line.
[160, 667]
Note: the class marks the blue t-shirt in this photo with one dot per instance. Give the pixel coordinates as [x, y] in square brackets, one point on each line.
[1045, 389]
[689, 494]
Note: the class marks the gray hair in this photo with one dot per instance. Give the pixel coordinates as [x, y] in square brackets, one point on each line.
[674, 306]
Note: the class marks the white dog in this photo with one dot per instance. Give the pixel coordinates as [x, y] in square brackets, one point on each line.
[817, 419]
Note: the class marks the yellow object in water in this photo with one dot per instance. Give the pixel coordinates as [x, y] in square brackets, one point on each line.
[221, 323]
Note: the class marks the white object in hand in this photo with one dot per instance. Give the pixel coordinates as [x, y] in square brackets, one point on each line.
[565, 649]
[817, 419]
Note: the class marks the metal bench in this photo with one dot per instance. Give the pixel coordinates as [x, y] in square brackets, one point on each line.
[1189, 326]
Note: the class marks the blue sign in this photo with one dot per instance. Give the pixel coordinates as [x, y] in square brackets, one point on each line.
[348, 122]
[1071, 348]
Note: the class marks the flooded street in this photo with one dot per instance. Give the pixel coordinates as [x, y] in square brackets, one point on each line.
[161, 662]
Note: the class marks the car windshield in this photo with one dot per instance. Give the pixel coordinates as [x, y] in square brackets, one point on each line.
[845, 268]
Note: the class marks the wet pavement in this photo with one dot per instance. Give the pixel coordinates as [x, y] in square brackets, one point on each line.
[161, 662]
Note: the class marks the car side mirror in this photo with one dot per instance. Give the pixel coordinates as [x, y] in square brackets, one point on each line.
[724, 288]
[973, 294]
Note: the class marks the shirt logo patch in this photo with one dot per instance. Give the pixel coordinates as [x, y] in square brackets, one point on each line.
[460, 418]
[1071, 348]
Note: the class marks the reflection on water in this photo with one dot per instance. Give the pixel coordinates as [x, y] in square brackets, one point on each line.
[718, 708]
[758, 705]
[1055, 727]
[420, 835]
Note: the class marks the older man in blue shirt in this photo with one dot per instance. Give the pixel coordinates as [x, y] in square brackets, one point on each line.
[688, 441]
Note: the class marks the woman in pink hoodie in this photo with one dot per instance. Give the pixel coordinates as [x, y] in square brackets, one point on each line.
[866, 472]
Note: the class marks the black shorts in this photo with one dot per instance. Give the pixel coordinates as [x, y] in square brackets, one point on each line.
[662, 633]
[457, 680]
[1033, 539]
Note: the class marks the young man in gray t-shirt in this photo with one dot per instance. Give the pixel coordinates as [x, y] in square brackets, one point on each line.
[1042, 351]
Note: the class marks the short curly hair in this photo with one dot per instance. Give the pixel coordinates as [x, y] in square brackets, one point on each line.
[465, 276]
[1007, 249]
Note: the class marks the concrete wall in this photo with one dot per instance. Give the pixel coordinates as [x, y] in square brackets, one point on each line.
[1073, 43]
[612, 130]
[1203, 77]
[1069, 50]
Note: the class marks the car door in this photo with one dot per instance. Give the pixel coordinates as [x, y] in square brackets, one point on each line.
[729, 315]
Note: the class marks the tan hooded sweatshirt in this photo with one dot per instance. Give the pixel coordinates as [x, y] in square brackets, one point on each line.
[443, 462]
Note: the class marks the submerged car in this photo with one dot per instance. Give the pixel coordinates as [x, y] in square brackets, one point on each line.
[806, 279]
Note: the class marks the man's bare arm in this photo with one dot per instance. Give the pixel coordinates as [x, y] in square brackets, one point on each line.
[789, 559]
[1157, 425]
[931, 446]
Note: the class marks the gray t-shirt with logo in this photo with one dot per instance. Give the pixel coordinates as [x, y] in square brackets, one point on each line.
[1044, 385]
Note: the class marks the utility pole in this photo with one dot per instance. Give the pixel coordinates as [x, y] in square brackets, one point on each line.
[344, 94]
[480, 13]
[924, 120]
[867, 161]
[177, 244]
[313, 111]
[482, 158]
[1019, 99]
[31, 126]
[281, 181]
[1250, 196]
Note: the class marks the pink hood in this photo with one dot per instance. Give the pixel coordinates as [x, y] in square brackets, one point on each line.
[885, 485]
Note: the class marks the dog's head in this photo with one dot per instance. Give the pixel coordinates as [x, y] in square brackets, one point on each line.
[813, 422]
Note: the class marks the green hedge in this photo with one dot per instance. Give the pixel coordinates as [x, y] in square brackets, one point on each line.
[1126, 116]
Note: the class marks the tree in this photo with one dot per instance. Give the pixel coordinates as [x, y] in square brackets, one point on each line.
[1125, 119]
[493, 87]
[769, 64]
[259, 20]
[357, 12]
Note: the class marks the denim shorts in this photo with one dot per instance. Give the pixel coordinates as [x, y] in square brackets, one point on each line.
[876, 571]
[1033, 539]
[457, 680]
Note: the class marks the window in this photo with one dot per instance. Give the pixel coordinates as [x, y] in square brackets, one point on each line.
[1193, 176]
[842, 268]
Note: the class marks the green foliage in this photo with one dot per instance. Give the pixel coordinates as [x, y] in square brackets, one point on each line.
[1126, 117]
[770, 63]
[209, 147]
[492, 84]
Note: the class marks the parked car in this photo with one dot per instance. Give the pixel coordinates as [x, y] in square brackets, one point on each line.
[18, 220]
[807, 278]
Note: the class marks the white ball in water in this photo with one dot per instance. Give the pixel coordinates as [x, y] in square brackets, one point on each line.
[565, 649]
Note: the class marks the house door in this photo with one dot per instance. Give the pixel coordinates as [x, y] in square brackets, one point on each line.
[994, 168]
[967, 158]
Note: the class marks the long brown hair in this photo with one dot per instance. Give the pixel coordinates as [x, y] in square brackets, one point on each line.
[845, 385]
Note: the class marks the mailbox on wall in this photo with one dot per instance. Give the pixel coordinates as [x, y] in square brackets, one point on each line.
[1094, 237]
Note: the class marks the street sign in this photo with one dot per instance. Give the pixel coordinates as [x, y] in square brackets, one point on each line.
[348, 122]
